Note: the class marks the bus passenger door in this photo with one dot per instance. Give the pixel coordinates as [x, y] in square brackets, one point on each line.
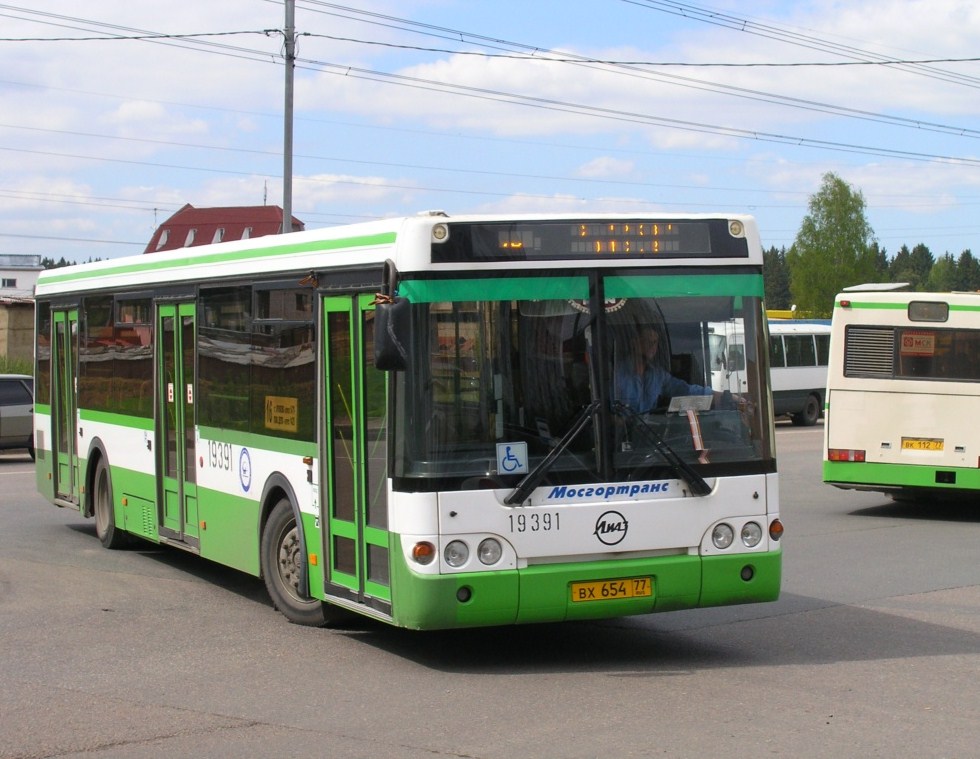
[177, 391]
[353, 488]
[64, 406]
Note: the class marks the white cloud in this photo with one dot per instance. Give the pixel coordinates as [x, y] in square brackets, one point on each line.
[605, 166]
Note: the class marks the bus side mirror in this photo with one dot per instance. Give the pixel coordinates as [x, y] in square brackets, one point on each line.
[392, 335]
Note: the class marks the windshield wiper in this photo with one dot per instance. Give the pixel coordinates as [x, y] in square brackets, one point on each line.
[532, 478]
[680, 468]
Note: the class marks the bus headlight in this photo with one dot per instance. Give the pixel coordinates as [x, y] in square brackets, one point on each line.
[751, 534]
[722, 536]
[456, 554]
[490, 551]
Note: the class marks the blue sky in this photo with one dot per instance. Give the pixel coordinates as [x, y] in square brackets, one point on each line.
[642, 106]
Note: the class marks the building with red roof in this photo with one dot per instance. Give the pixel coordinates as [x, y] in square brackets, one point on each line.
[202, 226]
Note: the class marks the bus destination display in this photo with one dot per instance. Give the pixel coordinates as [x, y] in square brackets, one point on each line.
[536, 241]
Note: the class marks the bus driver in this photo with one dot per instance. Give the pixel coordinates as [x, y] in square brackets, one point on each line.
[641, 379]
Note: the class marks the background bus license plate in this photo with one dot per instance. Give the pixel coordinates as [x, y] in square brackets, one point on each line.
[607, 590]
[921, 444]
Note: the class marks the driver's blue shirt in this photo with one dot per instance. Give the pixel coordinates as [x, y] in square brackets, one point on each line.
[640, 392]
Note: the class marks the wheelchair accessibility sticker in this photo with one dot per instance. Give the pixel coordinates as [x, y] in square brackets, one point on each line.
[511, 458]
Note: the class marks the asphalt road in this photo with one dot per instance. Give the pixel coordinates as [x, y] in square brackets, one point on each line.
[872, 650]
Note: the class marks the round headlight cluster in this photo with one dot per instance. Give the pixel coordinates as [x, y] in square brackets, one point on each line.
[722, 536]
[457, 552]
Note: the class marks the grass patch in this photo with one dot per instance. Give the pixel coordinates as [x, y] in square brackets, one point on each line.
[16, 365]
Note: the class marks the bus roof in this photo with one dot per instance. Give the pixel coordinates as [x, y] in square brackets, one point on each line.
[876, 287]
[363, 244]
[800, 327]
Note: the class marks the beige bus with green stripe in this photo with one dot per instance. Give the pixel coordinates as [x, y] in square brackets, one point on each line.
[903, 394]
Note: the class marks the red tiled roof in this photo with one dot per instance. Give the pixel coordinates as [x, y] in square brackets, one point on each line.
[235, 223]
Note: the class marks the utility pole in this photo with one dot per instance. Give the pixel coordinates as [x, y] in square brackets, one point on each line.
[287, 147]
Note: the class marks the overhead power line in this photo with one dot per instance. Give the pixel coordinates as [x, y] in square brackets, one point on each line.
[72, 239]
[617, 114]
[534, 52]
[547, 56]
[539, 53]
[148, 36]
[507, 56]
[787, 35]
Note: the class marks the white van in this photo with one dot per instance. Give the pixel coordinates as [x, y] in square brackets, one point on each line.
[798, 353]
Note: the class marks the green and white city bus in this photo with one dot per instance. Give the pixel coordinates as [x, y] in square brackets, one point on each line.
[417, 419]
[903, 393]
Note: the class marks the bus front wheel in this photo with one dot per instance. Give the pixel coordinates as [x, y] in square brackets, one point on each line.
[282, 568]
[810, 413]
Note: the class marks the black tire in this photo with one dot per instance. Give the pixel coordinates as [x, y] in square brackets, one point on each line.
[281, 557]
[30, 449]
[102, 509]
[810, 413]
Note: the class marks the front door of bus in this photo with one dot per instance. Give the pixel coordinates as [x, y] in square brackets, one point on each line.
[354, 486]
[64, 409]
[176, 389]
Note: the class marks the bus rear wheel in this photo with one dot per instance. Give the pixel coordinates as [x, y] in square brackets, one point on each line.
[104, 512]
[810, 413]
[282, 568]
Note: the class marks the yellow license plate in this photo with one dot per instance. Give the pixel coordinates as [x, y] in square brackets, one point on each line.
[922, 444]
[608, 590]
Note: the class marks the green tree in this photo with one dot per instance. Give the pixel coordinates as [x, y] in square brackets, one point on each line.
[942, 275]
[967, 272]
[900, 269]
[912, 266]
[834, 247]
[775, 275]
[922, 262]
[50, 263]
[881, 262]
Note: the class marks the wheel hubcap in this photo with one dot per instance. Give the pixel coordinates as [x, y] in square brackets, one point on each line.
[289, 562]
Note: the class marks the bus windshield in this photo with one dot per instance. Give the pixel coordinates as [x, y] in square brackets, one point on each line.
[497, 382]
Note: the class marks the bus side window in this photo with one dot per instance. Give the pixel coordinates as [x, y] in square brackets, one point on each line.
[823, 349]
[800, 350]
[777, 356]
[736, 357]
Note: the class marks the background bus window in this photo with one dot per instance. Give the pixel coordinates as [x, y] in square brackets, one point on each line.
[736, 357]
[777, 354]
[800, 350]
[823, 349]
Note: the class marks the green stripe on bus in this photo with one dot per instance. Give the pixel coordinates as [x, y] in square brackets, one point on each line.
[879, 306]
[870, 475]
[902, 306]
[673, 285]
[512, 288]
[154, 263]
[526, 288]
